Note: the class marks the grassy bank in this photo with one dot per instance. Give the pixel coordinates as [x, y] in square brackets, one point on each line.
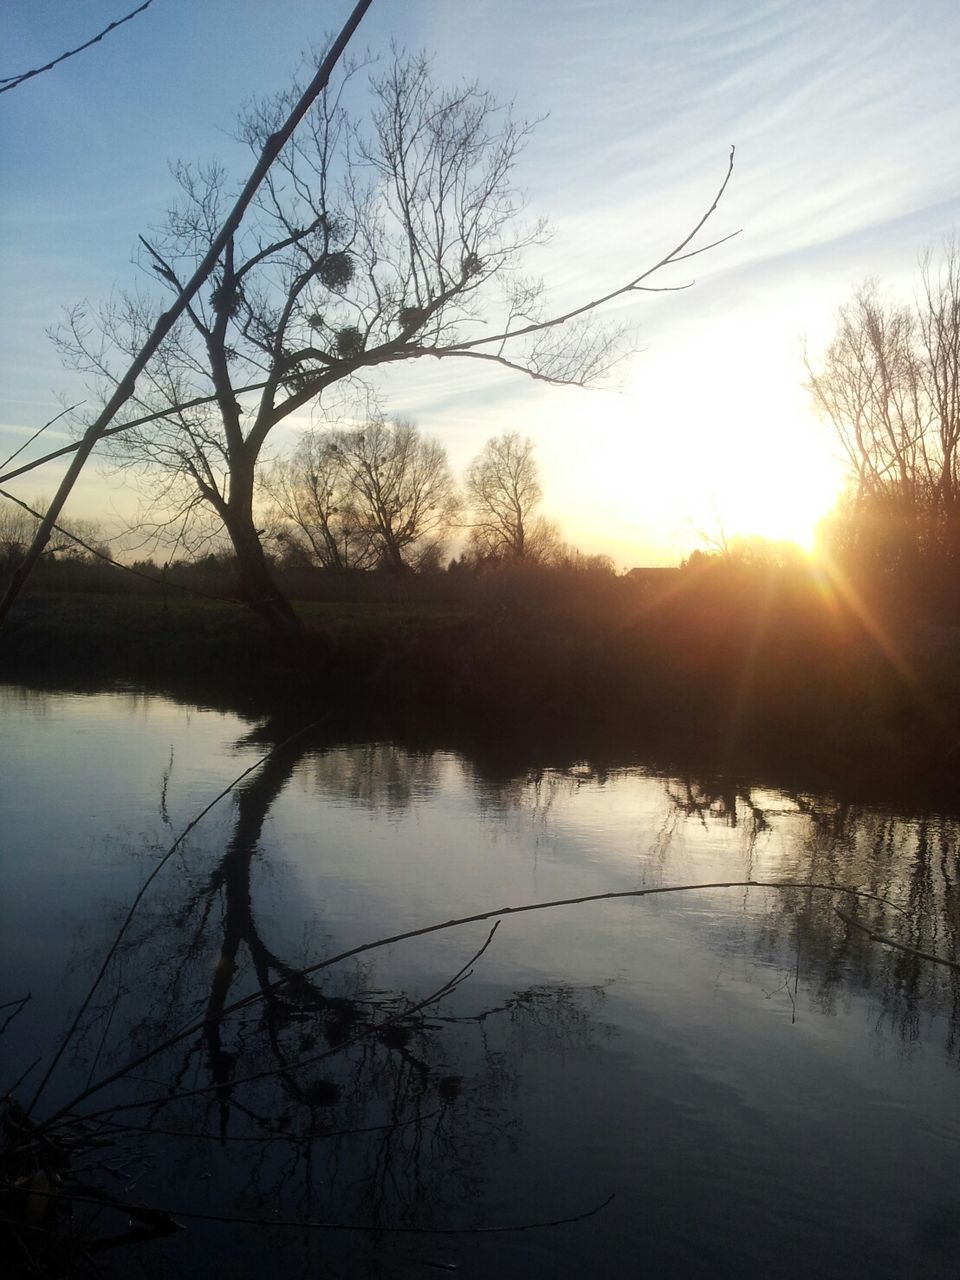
[724, 681]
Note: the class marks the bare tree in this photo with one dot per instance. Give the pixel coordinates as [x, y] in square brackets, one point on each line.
[939, 327]
[375, 240]
[869, 388]
[400, 491]
[18, 525]
[16, 530]
[890, 387]
[503, 488]
[315, 506]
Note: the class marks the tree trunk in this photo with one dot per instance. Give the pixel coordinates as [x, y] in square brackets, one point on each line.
[255, 583]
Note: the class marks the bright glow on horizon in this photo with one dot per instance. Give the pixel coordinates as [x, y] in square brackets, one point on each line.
[705, 446]
[781, 496]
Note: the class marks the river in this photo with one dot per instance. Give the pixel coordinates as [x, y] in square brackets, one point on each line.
[761, 1087]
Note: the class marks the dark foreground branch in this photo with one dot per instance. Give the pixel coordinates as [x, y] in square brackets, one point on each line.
[199, 1026]
[168, 1219]
[127, 384]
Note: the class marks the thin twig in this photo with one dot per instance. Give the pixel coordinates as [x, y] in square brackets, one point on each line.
[12, 82]
[9, 1004]
[39, 432]
[634, 286]
[20, 1079]
[19, 1009]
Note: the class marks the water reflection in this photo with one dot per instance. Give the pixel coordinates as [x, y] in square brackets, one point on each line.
[910, 864]
[376, 774]
[388, 1096]
[352, 1101]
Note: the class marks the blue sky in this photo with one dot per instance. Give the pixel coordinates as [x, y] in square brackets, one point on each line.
[846, 122]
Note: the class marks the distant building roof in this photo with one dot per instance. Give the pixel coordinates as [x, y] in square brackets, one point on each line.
[649, 572]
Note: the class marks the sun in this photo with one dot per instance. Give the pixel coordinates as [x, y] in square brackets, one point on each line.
[703, 449]
[753, 479]
[778, 499]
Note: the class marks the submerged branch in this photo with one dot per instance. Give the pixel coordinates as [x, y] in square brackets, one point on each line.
[16, 1006]
[246, 1002]
[167, 1218]
[887, 941]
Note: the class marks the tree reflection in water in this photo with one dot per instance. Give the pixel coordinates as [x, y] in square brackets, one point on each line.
[912, 862]
[335, 1096]
[315, 1097]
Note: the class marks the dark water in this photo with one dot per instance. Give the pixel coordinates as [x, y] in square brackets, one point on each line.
[762, 1088]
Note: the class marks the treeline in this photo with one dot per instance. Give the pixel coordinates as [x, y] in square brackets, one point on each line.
[372, 513]
[383, 496]
[569, 578]
[367, 514]
[73, 547]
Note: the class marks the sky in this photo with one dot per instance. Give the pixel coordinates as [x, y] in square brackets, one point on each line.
[845, 118]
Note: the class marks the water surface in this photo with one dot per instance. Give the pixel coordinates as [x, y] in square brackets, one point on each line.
[761, 1087]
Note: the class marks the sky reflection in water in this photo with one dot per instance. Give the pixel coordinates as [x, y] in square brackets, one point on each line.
[763, 1089]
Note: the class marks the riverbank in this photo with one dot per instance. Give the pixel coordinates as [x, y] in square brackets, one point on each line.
[706, 685]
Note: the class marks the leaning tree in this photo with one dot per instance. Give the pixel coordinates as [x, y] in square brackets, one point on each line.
[388, 229]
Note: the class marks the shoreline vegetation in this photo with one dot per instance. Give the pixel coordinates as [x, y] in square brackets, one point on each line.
[716, 667]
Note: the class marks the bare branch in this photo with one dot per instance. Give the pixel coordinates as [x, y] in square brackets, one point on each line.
[13, 82]
[39, 432]
[887, 941]
[633, 286]
[157, 416]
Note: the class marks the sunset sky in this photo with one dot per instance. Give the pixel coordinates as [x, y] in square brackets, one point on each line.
[846, 121]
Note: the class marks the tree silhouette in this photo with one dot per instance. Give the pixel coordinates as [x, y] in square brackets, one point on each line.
[376, 239]
[889, 384]
[503, 488]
